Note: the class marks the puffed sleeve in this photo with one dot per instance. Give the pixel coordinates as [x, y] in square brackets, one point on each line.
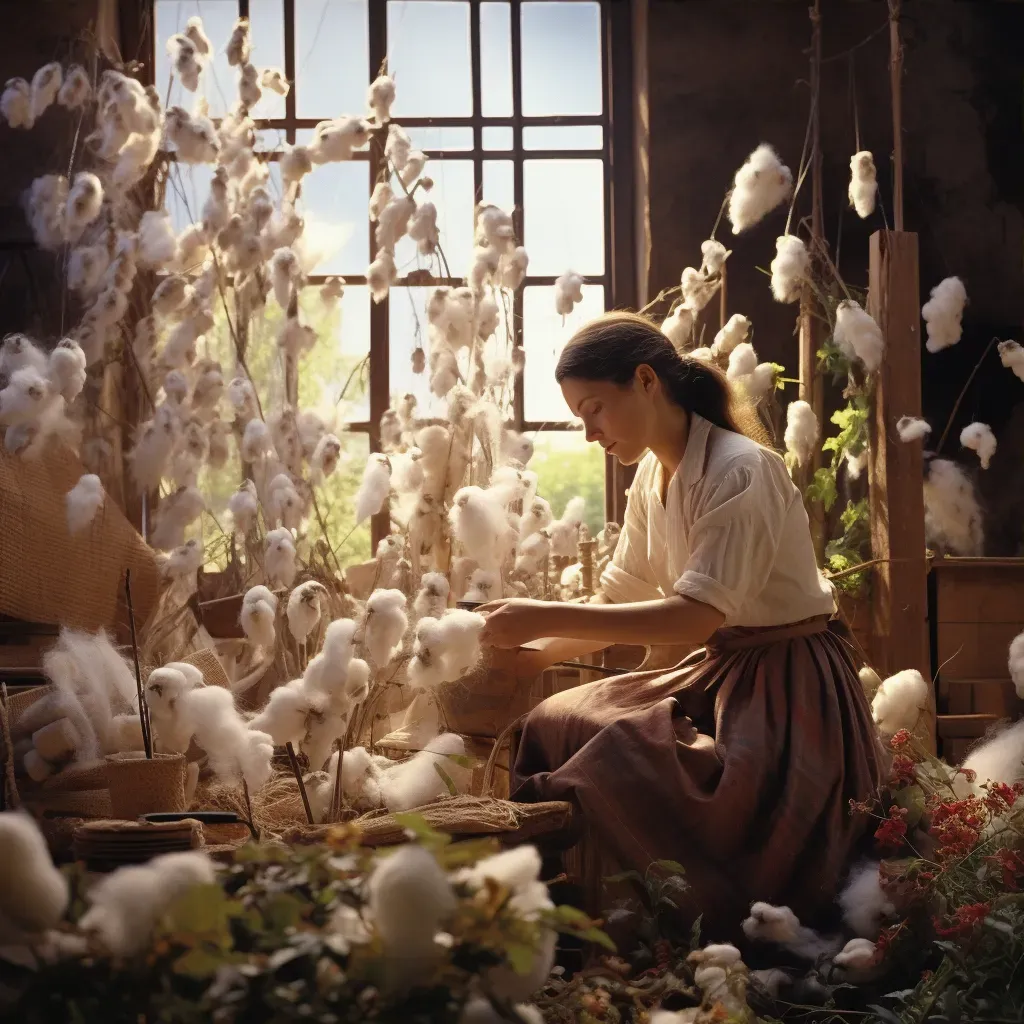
[629, 576]
[734, 536]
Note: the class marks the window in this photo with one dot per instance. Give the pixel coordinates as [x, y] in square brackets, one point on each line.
[510, 99]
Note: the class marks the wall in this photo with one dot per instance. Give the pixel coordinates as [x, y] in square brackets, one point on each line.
[727, 74]
[35, 33]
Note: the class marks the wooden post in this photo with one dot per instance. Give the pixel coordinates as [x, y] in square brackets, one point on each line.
[899, 596]
[811, 390]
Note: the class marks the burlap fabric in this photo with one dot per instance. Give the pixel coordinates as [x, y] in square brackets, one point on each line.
[209, 664]
[140, 785]
[49, 576]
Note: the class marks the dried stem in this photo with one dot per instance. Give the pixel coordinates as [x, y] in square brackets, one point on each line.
[294, 762]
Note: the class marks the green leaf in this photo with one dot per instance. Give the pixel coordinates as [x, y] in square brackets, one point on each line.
[671, 866]
[695, 933]
[625, 876]
[282, 911]
[599, 938]
[571, 917]
[521, 957]
[822, 488]
[446, 779]
[202, 962]
[421, 831]
[911, 799]
[462, 760]
[203, 910]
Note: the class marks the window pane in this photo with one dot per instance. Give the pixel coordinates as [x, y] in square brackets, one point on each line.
[496, 60]
[567, 466]
[497, 138]
[336, 499]
[407, 327]
[334, 203]
[188, 186]
[452, 194]
[498, 186]
[332, 57]
[563, 205]
[219, 82]
[544, 335]
[340, 357]
[267, 20]
[441, 138]
[561, 58]
[563, 136]
[428, 55]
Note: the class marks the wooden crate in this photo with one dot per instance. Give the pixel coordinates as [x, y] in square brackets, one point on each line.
[978, 610]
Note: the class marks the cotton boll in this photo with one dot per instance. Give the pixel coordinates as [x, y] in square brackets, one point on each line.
[790, 268]
[858, 335]
[195, 139]
[761, 184]
[380, 96]
[952, 515]
[423, 228]
[125, 906]
[153, 448]
[158, 243]
[16, 103]
[943, 314]
[732, 334]
[477, 522]
[374, 488]
[901, 701]
[979, 438]
[66, 369]
[286, 274]
[326, 455]
[409, 900]
[331, 292]
[381, 275]
[397, 147]
[714, 256]
[76, 88]
[460, 631]
[379, 200]
[34, 895]
[742, 361]
[414, 168]
[568, 291]
[274, 80]
[18, 352]
[232, 749]
[256, 441]
[166, 690]
[393, 221]
[678, 326]
[249, 91]
[304, 609]
[779, 925]
[801, 431]
[697, 290]
[45, 209]
[513, 268]
[258, 615]
[46, 83]
[999, 759]
[197, 36]
[182, 564]
[26, 397]
[86, 267]
[84, 202]
[240, 44]
[484, 586]
[243, 507]
[279, 562]
[84, 501]
[863, 184]
[1011, 355]
[536, 517]
[864, 904]
[416, 782]
[1016, 664]
[426, 667]
[334, 141]
[432, 598]
[912, 429]
[385, 626]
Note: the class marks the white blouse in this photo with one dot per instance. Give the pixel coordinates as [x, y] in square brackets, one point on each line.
[733, 534]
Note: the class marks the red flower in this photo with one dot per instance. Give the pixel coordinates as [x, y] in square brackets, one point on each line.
[1011, 863]
[900, 739]
[893, 831]
[965, 919]
[886, 938]
[861, 807]
[1001, 797]
[902, 770]
[957, 825]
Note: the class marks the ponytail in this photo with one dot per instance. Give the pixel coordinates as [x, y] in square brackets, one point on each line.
[611, 348]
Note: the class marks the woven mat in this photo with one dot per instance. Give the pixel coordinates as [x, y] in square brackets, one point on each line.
[209, 664]
[53, 577]
[460, 816]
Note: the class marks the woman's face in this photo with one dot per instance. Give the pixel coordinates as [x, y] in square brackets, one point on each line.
[616, 416]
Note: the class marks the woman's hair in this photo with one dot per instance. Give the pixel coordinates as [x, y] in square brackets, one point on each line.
[611, 348]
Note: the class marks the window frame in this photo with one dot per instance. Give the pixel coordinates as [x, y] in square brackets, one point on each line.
[616, 154]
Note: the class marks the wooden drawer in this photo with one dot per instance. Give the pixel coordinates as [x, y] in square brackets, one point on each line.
[975, 592]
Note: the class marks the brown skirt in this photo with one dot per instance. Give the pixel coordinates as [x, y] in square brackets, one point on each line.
[740, 763]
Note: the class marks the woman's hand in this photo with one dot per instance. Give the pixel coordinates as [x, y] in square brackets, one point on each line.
[514, 622]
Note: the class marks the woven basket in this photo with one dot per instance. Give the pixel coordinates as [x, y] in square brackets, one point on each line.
[484, 703]
[460, 816]
[209, 664]
[140, 785]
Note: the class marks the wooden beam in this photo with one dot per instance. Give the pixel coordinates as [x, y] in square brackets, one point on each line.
[899, 586]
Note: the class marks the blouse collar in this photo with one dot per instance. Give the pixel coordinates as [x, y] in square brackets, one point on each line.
[691, 469]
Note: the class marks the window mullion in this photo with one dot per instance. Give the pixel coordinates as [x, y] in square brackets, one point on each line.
[518, 406]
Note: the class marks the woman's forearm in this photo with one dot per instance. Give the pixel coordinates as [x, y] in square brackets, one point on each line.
[673, 620]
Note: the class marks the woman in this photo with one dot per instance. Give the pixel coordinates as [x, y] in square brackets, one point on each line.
[741, 762]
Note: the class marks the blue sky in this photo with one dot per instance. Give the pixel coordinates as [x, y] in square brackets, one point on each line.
[428, 54]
